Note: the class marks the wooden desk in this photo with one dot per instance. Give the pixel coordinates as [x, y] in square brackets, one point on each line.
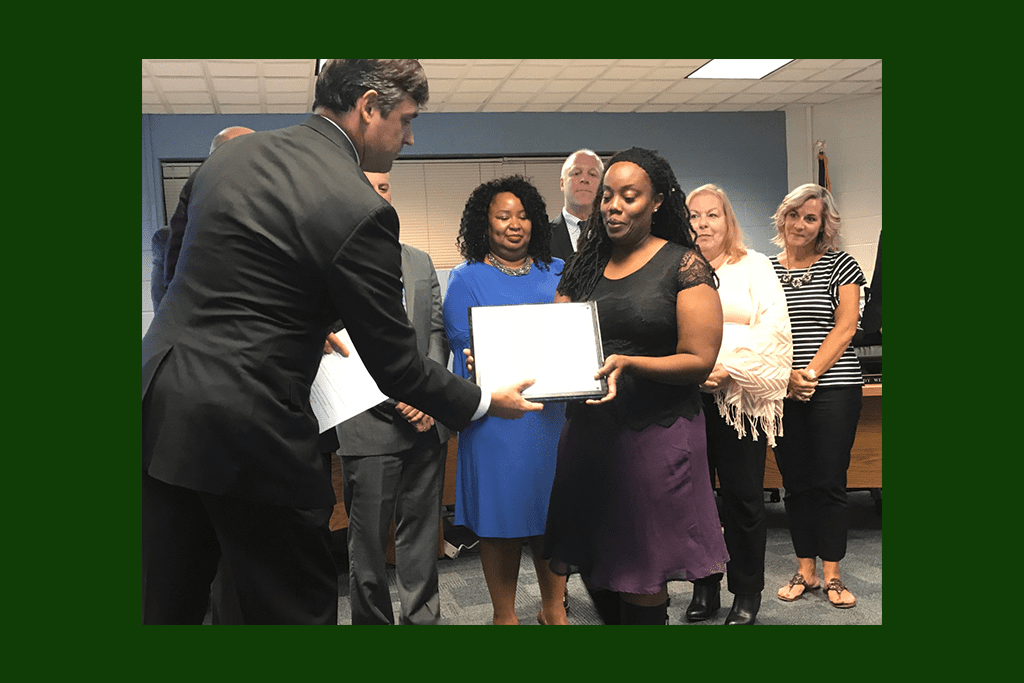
[865, 470]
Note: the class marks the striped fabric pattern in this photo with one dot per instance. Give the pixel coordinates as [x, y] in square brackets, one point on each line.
[812, 313]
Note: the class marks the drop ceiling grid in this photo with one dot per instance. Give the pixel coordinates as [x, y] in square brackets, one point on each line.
[182, 86]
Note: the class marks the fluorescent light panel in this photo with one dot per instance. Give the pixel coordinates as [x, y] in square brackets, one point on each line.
[752, 69]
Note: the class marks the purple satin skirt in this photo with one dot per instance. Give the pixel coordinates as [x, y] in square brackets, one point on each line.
[632, 510]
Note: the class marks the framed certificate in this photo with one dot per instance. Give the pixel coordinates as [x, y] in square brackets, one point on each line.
[558, 345]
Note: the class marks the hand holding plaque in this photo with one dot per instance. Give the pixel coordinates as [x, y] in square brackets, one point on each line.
[557, 345]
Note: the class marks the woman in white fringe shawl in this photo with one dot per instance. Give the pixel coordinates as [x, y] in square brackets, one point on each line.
[742, 400]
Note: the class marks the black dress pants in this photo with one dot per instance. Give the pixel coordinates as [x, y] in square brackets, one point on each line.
[740, 467]
[280, 559]
[813, 456]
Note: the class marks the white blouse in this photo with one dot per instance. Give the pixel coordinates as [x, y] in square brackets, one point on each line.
[757, 346]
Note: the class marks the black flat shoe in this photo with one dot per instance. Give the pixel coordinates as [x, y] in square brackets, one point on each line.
[707, 600]
[744, 609]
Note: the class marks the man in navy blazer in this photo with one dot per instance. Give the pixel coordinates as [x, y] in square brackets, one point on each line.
[580, 182]
[285, 236]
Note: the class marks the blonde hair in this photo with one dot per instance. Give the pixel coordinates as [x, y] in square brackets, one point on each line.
[732, 245]
[828, 235]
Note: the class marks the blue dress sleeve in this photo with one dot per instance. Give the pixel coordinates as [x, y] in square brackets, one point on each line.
[457, 301]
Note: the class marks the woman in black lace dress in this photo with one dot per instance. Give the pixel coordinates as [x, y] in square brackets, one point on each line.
[632, 506]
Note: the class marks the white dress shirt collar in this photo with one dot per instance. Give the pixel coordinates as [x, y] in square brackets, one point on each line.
[573, 225]
[345, 134]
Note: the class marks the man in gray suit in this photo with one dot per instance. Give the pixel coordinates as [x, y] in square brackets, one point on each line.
[393, 459]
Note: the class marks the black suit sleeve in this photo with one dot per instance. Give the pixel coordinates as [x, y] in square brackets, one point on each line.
[177, 226]
[365, 281]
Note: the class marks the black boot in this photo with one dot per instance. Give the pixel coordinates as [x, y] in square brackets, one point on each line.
[651, 616]
[607, 605]
[744, 609]
[707, 598]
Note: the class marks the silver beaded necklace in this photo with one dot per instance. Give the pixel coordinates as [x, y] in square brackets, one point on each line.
[514, 272]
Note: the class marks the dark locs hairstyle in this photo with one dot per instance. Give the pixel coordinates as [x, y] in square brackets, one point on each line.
[473, 238]
[670, 222]
[343, 81]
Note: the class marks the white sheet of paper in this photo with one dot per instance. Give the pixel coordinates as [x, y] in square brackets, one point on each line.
[342, 388]
[555, 344]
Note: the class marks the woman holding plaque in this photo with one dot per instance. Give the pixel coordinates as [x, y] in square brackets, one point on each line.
[505, 467]
[632, 506]
[822, 407]
[742, 400]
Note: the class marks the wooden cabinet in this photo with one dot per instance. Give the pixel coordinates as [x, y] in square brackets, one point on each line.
[865, 470]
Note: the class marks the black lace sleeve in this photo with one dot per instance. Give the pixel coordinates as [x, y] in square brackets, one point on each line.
[694, 270]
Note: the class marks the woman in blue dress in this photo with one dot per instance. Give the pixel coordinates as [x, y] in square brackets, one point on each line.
[505, 467]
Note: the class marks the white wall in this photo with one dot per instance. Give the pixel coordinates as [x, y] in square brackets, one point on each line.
[852, 132]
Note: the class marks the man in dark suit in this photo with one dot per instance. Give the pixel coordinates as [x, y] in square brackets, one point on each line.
[165, 257]
[393, 459]
[580, 182]
[285, 236]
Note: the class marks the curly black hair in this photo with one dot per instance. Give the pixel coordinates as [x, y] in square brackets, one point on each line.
[671, 223]
[473, 240]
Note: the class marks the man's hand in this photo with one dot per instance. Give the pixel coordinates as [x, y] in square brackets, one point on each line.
[508, 402]
[420, 421]
[333, 343]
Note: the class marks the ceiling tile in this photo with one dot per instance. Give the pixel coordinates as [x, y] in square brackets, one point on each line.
[444, 71]
[626, 72]
[301, 68]
[791, 73]
[289, 98]
[238, 109]
[537, 71]
[479, 85]
[490, 71]
[238, 98]
[814, 63]
[630, 97]
[282, 85]
[236, 84]
[522, 86]
[175, 67]
[235, 69]
[286, 84]
[649, 86]
[608, 85]
[176, 98]
[542, 107]
[193, 109]
[182, 84]
[583, 72]
[834, 74]
[872, 73]
[860, 63]
[618, 108]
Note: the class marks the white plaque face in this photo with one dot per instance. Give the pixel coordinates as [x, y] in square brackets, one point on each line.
[556, 344]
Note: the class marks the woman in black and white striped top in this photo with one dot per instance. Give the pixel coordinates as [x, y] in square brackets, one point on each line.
[822, 286]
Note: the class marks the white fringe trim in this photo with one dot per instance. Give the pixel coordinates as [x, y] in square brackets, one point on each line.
[767, 416]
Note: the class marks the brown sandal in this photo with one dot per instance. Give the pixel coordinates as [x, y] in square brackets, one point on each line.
[837, 586]
[798, 580]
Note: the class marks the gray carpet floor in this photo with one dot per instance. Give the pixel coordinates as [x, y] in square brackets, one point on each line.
[465, 601]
